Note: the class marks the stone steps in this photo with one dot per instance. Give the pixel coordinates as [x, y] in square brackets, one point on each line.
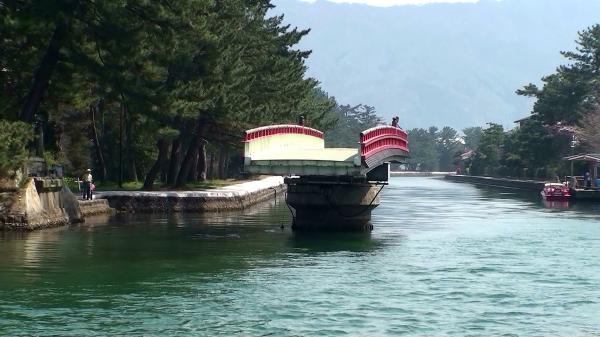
[94, 207]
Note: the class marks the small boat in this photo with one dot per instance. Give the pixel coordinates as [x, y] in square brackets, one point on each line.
[556, 192]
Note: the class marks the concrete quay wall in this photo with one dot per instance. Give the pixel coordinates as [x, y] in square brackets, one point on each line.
[230, 198]
[528, 185]
[40, 203]
[419, 174]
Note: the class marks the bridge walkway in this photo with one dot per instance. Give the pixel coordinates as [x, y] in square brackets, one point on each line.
[299, 150]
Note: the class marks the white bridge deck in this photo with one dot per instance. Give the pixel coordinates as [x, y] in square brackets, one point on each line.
[326, 154]
[297, 150]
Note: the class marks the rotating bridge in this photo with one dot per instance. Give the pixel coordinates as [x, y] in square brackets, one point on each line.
[295, 150]
[328, 188]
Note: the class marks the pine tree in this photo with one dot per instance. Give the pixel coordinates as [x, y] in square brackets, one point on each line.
[569, 93]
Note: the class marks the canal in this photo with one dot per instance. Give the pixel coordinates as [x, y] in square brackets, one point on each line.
[444, 259]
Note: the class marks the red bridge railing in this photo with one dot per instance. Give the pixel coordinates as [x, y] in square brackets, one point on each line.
[280, 130]
[382, 138]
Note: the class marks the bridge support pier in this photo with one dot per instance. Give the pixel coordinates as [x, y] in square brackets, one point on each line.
[332, 205]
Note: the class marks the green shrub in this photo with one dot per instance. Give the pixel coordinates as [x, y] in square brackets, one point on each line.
[14, 137]
[71, 183]
[51, 159]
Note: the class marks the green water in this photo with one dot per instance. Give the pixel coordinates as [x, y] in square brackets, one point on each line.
[444, 259]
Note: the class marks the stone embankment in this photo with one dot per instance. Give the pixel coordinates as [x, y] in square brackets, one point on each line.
[234, 197]
[40, 203]
[44, 202]
[529, 185]
[418, 174]
[94, 207]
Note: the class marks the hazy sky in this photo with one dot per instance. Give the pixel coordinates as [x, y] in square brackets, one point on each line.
[387, 3]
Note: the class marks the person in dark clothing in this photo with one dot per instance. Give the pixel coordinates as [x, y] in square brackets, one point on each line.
[587, 180]
[301, 120]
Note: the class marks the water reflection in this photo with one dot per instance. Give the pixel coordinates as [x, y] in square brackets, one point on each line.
[586, 207]
[442, 256]
[557, 204]
[33, 249]
[533, 200]
[333, 242]
[143, 246]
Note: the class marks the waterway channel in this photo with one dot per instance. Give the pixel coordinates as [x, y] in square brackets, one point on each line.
[444, 259]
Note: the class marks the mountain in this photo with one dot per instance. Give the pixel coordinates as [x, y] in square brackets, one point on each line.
[439, 64]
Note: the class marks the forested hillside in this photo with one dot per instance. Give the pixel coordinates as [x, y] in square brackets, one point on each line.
[442, 64]
[565, 120]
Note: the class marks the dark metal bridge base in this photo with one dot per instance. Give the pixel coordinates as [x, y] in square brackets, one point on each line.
[322, 205]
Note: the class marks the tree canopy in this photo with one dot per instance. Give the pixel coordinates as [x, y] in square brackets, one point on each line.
[433, 149]
[153, 89]
[571, 91]
[565, 108]
[350, 121]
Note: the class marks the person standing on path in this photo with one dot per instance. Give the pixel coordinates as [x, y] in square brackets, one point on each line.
[87, 185]
[587, 179]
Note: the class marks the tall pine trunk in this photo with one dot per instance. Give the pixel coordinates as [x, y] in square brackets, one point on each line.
[186, 163]
[202, 162]
[193, 172]
[222, 159]
[191, 154]
[43, 73]
[102, 172]
[161, 162]
[174, 162]
[129, 154]
[132, 169]
[211, 166]
[122, 112]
